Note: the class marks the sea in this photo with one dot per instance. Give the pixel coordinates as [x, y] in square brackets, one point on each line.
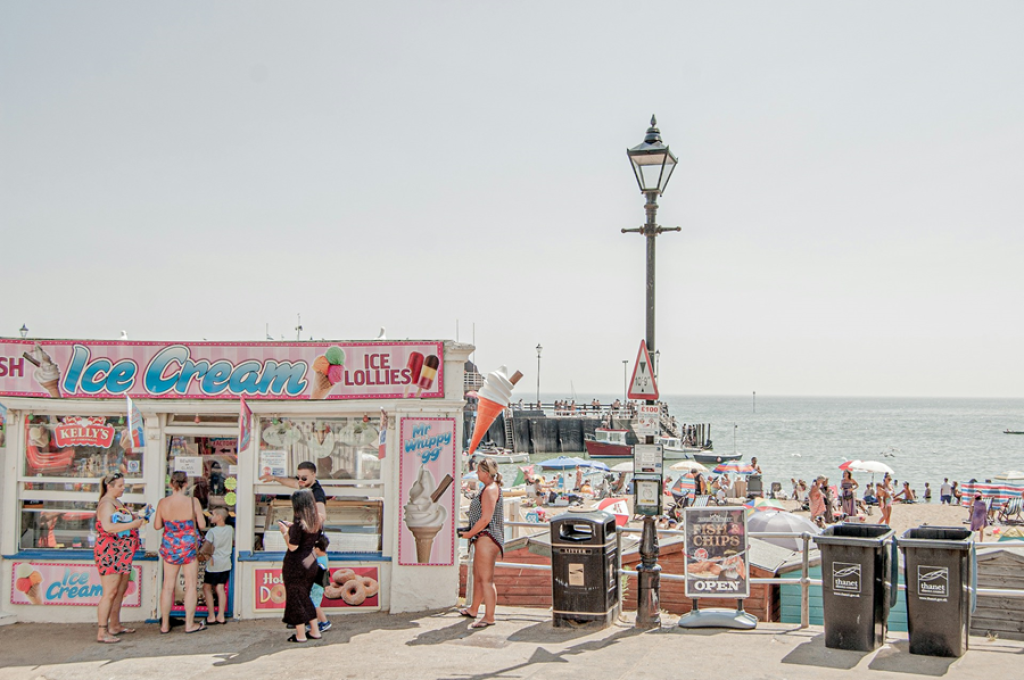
[921, 439]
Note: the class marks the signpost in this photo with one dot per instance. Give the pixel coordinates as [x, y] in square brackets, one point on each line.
[648, 420]
[643, 386]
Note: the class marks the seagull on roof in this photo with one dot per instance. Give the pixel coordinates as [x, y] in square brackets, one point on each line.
[124, 335]
[382, 335]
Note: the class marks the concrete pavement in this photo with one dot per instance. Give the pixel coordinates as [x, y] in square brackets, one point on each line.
[524, 644]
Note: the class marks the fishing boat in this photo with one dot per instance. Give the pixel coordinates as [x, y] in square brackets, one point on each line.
[713, 458]
[609, 443]
[1013, 432]
[498, 455]
[675, 449]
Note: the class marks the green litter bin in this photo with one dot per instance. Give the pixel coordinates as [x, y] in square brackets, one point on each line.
[859, 573]
[939, 568]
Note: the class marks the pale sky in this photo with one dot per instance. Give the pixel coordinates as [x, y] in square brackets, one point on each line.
[849, 184]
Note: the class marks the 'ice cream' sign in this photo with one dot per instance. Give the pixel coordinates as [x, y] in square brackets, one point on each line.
[427, 535]
[66, 584]
[310, 370]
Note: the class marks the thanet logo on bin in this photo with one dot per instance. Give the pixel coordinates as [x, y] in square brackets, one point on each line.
[932, 582]
[846, 578]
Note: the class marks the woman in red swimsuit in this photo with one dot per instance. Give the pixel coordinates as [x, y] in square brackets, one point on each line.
[113, 555]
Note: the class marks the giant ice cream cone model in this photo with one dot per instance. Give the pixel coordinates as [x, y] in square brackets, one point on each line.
[494, 397]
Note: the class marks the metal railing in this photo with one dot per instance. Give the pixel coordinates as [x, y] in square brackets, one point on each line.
[805, 581]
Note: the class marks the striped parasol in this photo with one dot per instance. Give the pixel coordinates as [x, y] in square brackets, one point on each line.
[765, 504]
[734, 468]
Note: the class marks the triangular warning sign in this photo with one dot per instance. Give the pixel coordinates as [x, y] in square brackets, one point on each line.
[643, 386]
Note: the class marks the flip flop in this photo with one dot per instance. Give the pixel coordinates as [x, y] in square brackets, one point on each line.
[124, 631]
[201, 628]
[476, 625]
[109, 641]
[465, 612]
[295, 639]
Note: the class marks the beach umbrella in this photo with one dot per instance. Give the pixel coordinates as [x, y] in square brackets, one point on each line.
[872, 466]
[623, 467]
[561, 463]
[617, 507]
[471, 475]
[781, 522]
[688, 466]
[735, 468]
[848, 464]
[1012, 474]
[595, 465]
[765, 505]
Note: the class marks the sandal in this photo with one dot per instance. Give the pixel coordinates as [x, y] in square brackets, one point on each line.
[465, 612]
[123, 631]
[107, 638]
[295, 639]
[199, 629]
[476, 625]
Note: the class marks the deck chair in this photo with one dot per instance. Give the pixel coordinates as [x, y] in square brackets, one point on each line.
[1012, 511]
[776, 491]
[700, 501]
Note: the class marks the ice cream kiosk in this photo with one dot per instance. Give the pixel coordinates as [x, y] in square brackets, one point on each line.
[380, 420]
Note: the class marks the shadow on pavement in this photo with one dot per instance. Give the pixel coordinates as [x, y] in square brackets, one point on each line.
[815, 653]
[548, 633]
[896, 658]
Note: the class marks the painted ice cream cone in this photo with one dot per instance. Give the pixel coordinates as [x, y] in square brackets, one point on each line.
[494, 397]
[424, 541]
[47, 373]
[328, 370]
[322, 386]
[35, 593]
[424, 516]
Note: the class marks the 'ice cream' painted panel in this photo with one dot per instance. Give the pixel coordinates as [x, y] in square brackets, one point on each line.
[218, 370]
[427, 492]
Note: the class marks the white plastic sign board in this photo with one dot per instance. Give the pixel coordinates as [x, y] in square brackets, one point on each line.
[648, 458]
[648, 420]
[643, 386]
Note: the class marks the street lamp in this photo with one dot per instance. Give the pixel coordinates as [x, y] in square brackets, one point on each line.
[539, 348]
[653, 164]
[625, 382]
[23, 331]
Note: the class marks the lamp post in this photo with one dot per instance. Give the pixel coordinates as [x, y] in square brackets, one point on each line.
[652, 164]
[24, 331]
[539, 348]
[625, 382]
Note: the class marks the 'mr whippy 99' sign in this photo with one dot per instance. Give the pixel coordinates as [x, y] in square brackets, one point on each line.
[221, 370]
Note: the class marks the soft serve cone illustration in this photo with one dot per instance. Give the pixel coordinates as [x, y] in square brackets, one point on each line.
[494, 398]
[47, 373]
[424, 516]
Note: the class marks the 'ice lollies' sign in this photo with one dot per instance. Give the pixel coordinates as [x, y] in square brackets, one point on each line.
[427, 492]
[221, 370]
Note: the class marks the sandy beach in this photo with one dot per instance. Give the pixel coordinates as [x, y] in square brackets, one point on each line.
[909, 516]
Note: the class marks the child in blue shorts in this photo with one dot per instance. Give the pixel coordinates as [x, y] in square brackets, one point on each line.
[317, 592]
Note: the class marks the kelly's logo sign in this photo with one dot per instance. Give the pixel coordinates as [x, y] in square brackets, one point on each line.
[79, 431]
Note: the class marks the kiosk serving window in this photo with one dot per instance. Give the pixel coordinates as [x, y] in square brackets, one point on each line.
[58, 486]
[345, 452]
[341, 448]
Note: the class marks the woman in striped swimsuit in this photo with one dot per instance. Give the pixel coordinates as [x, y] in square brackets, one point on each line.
[487, 533]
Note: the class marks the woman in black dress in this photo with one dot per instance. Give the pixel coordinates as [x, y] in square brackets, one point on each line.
[299, 569]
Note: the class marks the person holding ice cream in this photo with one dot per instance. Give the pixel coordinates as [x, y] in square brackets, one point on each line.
[487, 534]
[114, 553]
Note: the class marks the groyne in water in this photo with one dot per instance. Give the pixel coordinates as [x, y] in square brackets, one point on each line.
[535, 432]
